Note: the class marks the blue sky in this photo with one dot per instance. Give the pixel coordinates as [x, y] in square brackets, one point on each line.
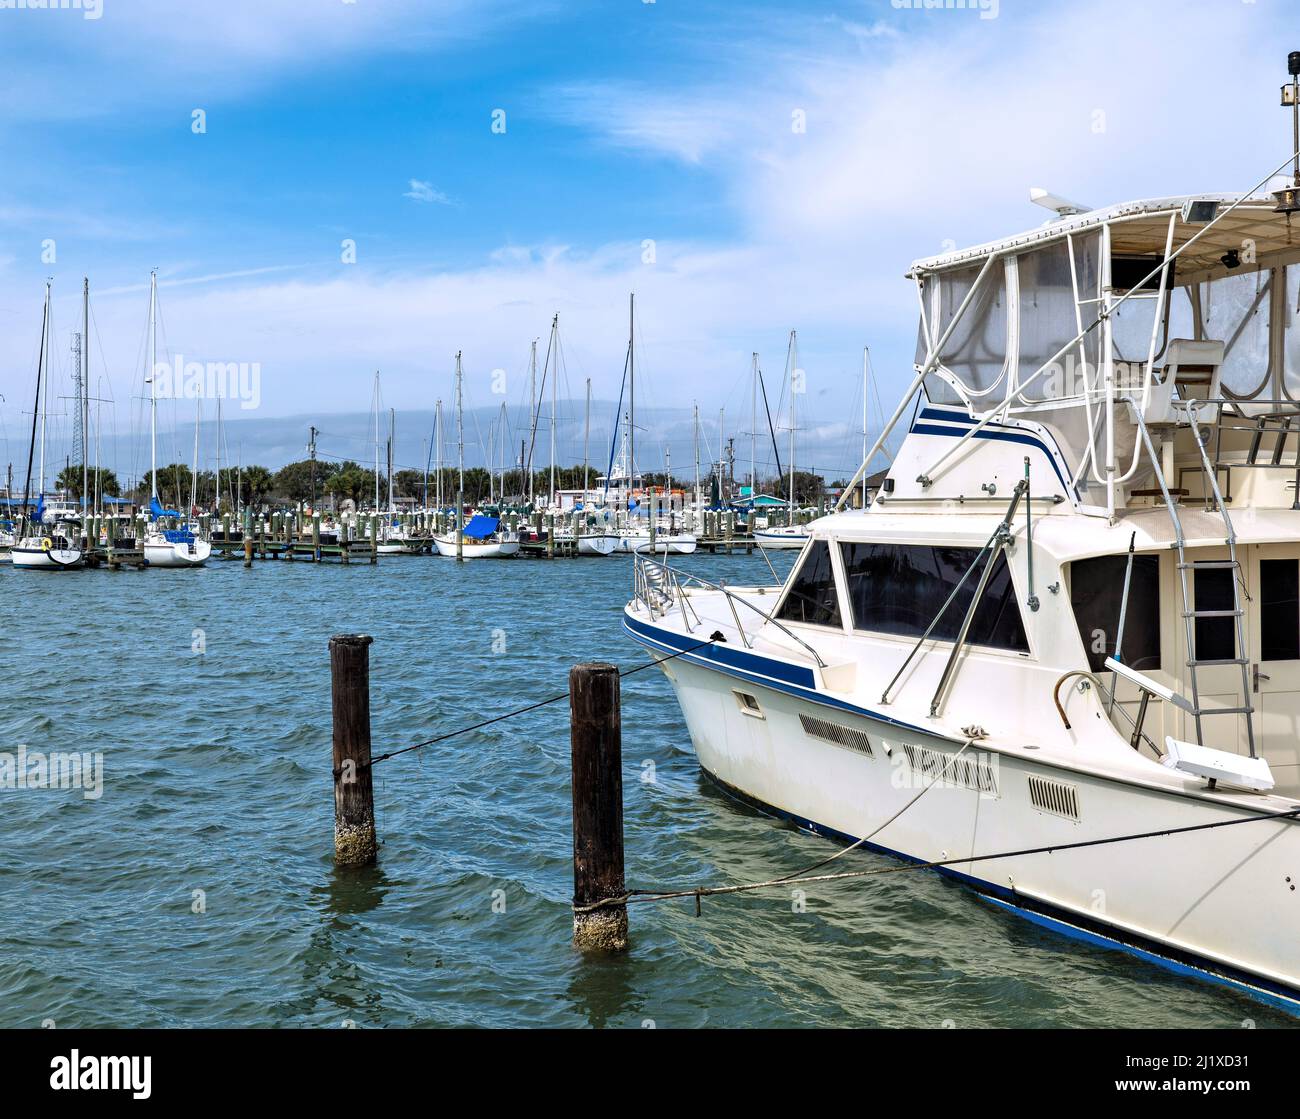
[625, 122]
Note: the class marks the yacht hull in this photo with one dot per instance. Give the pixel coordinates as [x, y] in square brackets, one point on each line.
[1233, 920]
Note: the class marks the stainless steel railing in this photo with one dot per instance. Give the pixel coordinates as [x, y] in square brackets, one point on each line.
[659, 586]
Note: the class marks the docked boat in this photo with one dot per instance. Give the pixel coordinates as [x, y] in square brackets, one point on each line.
[597, 543]
[175, 547]
[783, 536]
[51, 546]
[54, 551]
[1059, 655]
[164, 547]
[638, 541]
[482, 537]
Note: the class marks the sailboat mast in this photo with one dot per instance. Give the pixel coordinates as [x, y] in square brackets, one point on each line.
[697, 457]
[194, 472]
[45, 381]
[753, 429]
[460, 433]
[84, 402]
[36, 407]
[437, 439]
[586, 436]
[631, 391]
[532, 414]
[392, 422]
[555, 380]
[217, 484]
[376, 411]
[153, 396]
[794, 371]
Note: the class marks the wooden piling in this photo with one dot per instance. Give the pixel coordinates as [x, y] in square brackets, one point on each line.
[248, 551]
[597, 761]
[355, 843]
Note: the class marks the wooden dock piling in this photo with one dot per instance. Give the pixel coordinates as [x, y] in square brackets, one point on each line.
[597, 760]
[355, 843]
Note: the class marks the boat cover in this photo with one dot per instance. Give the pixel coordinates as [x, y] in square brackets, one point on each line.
[480, 526]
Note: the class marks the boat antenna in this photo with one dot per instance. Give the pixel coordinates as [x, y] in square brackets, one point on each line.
[1288, 198]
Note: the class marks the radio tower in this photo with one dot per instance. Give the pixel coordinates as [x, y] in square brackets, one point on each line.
[78, 429]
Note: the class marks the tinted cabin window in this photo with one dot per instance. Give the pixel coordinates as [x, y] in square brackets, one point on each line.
[812, 596]
[899, 588]
[1215, 637]
[1279, 610]
[1097, 593]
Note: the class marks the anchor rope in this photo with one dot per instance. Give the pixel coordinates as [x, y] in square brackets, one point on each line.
[699, 892]
[623, 673]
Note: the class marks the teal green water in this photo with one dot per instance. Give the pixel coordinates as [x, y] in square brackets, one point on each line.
[217, 779]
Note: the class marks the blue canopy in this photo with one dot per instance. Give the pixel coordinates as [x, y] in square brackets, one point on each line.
[156, 510]
[480, 526]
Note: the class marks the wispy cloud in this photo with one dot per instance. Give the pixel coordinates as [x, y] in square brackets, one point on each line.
[423, 192]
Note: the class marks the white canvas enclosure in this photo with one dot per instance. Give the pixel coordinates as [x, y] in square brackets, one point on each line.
[1072, 324]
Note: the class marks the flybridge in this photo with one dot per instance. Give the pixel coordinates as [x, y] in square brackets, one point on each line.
[1111, 329]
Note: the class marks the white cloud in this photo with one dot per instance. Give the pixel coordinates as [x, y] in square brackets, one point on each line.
[423, 192]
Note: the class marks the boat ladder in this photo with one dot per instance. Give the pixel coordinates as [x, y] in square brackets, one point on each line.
[1214, 502]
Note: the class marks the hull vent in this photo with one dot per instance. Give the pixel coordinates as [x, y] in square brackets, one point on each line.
[973, 773]
[1054, 797]
[848, 737]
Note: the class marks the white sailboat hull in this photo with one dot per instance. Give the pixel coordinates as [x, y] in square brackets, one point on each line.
[166, 553]
[670, 544]
[46, 559]
[791, 538]
[493, 549]
[602, 544]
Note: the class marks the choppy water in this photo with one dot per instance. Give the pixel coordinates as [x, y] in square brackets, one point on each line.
[217, 779]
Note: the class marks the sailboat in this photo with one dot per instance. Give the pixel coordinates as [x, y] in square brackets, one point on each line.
[175, 547]
[633, 539]
[38, 548]
[483, 537]
[392, 536]
[789, 536]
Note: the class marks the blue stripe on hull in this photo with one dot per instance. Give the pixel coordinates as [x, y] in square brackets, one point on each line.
[1058, 920]
[777, 675]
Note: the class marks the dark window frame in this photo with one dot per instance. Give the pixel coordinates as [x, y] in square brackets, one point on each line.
[916, 579]
[1104, 579]
[828, 615]
[1276, 634]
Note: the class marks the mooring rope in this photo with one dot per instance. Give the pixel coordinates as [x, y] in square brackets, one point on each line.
[872, 834]
[623, 673]
[709, 891]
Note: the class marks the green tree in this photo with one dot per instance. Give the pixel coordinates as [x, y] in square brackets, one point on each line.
[351, 480]
[173, 485]
[69, 482]
[294, 481]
